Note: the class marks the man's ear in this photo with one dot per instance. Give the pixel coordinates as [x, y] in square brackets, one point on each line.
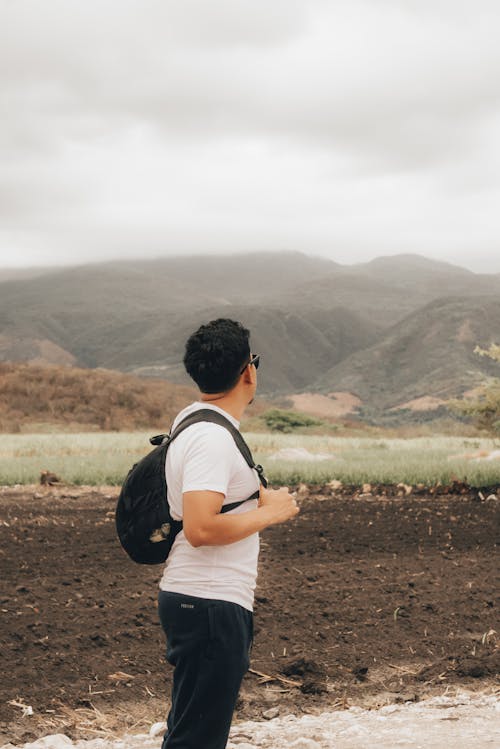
[248, 376]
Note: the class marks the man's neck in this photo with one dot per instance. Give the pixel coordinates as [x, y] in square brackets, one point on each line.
[228, 403]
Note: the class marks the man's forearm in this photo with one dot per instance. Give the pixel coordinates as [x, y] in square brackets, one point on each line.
[223, 529]
[205, 525]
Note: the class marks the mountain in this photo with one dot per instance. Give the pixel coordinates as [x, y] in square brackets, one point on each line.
[428, 353]
[387, 289]
[400, 268]
[14, 274]
[363, 329]
[136, 317]
[294, 348]
[79, 308]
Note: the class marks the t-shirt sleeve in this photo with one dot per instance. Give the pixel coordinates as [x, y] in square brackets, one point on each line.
[208, 460]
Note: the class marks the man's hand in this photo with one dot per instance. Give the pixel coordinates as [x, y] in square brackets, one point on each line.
[279, 504]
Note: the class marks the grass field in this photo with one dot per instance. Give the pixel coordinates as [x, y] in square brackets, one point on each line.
[104, 458]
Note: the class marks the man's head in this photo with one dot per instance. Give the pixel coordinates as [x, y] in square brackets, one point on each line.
[216, 355]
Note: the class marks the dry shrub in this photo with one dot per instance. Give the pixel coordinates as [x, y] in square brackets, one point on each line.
[88, 398]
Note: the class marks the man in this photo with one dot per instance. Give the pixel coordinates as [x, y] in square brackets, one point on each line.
[207, 588]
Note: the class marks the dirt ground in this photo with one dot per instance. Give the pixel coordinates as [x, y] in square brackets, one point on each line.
[362, 600]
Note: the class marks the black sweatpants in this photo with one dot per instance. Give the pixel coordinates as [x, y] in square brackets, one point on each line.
[208, 643]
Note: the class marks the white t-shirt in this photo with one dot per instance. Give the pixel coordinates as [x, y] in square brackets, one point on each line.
[205, 458]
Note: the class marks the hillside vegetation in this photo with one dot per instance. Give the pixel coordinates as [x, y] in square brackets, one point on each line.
[50, 398]
[34, 397]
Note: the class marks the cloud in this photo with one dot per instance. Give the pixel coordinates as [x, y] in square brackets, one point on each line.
[338, 127]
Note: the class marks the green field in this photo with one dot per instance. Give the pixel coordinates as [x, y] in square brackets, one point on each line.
[104, 458]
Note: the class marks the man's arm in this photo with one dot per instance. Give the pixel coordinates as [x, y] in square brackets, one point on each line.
[204, 525]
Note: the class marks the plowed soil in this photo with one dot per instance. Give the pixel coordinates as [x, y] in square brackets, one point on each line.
[362, 600]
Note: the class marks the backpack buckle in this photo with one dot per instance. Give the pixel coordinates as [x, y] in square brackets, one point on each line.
[260, 471]
[159, 439]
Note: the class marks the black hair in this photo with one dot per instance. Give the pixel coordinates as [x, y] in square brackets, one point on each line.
[216, 353]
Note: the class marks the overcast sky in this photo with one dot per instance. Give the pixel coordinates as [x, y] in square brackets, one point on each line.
[341, 128]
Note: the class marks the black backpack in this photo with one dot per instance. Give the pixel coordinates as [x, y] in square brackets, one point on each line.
[143, 522]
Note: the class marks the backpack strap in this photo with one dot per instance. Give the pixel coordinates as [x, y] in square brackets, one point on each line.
[214, 417]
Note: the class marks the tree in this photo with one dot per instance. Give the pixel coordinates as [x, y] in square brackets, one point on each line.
[484, 407]
[287, 421]
[493, 352]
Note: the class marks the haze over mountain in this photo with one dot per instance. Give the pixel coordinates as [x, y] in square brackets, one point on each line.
[390, 330]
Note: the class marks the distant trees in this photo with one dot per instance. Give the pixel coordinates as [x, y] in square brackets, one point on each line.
[484, 407]
[288, 421]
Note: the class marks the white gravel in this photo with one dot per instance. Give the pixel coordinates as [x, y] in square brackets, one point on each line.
[465, 721]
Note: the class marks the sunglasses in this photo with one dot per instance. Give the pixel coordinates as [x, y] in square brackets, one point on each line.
[255, 360]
